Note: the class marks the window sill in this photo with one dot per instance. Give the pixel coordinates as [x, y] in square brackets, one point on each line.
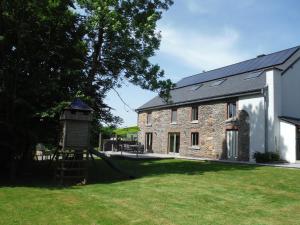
[194, 121]
[173, 123]
[195, 147]
[148, 125]
[231, 119]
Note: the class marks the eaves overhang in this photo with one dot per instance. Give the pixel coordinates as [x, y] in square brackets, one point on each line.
[201, 100]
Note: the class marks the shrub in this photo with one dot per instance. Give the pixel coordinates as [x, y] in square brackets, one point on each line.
[266, 157]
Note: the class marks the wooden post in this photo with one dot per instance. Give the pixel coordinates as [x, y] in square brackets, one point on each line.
[100, 141]
[103, 145]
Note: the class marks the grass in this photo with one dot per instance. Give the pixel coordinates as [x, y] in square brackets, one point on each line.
[165, 192]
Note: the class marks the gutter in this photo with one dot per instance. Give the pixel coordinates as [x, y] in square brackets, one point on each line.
[295, 121]
[290, 66]
[220, 97]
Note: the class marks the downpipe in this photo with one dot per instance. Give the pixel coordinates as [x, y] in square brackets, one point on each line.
[265, 92]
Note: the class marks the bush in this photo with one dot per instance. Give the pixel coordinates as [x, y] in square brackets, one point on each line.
[266, 157]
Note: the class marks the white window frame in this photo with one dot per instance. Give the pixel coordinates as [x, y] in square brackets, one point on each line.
[174, 121]
[193, 113]
[149, 118]
[229, 108]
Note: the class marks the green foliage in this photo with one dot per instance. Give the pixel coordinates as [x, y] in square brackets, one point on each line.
[38, 73]
[51, 54]
[107, 132]
[110, 131]
[266, 157]
[123, 36]
[126, 130]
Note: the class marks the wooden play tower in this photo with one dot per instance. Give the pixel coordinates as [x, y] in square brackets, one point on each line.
[72, 157]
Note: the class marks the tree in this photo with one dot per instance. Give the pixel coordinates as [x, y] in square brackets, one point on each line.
[42, 57]
[122, 36]
[51, 53]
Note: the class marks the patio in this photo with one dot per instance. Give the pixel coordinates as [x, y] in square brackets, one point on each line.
[176, 156]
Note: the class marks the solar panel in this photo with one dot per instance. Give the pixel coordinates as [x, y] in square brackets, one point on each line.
[272, 59]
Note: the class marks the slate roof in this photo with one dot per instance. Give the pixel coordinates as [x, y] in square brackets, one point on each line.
[236, 81]
[291, 120]
[270, 60]
[231, 85]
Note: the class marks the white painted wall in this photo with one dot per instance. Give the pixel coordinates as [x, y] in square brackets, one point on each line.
[274, 83]
[254, 106]
[291, 92]
[288, 141]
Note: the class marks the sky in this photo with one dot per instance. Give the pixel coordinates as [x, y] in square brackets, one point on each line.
[200, 35]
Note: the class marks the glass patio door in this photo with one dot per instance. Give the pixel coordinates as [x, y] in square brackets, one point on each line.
[232, 144]
[174, 142]
[149, 140]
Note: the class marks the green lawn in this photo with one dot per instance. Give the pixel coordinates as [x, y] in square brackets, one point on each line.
[165, 192]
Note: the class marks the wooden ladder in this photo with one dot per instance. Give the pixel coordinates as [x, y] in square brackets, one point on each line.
[71, 166]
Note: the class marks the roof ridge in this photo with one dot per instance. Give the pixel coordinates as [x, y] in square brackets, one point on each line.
[240, 62]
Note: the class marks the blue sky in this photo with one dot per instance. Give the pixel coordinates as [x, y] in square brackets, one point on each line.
[201, 35]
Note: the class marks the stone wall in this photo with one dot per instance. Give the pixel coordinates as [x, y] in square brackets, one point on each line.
[210, 125]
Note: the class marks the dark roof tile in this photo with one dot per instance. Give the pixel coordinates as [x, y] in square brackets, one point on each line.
[184, 93]
[258, 63]
[232, 85]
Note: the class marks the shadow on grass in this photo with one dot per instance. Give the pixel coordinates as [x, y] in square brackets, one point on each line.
[41, 175]
[157, 167]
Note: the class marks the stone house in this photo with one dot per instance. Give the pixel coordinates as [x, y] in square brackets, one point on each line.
[231, 112]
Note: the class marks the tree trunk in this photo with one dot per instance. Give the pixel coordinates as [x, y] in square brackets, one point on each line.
[96, 60]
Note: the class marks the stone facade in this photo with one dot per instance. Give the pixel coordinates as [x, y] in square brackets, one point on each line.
[211, 126]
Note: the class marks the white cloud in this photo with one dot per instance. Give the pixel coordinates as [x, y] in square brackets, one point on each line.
[212, 6]
[197, 7]
[203, 51]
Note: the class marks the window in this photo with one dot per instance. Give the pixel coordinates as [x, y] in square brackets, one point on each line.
[194, 113]
[195, 139]
[148, 140]
[231, 109]
[149, 118]
[217, 83]
[195, 88]
[174, 116]
[253, 75]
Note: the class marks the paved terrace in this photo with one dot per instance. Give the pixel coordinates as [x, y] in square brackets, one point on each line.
[174, 156]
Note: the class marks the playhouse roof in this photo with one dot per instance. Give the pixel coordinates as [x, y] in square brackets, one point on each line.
[77, 104]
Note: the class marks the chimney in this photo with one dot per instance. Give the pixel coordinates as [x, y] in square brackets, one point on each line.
[259, 56]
